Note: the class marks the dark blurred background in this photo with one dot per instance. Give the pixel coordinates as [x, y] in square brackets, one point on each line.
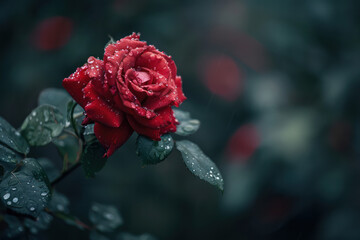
[274, 83]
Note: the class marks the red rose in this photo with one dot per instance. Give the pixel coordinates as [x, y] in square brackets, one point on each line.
[131, 89]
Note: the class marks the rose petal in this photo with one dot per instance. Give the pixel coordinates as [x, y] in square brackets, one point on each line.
[75, 83]
[170, 62]
[154, 62]
[100, 111]
[130, 103]
[130, 59]
[180, 93]
[165, 116]
[95, 68]
[152, 133]
[134, 80]
[156, 102]
[129, 42]
[112, 63]
[164, 122]
[112, 138]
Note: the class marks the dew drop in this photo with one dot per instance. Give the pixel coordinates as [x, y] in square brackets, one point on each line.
[6, 196]
[15, 200]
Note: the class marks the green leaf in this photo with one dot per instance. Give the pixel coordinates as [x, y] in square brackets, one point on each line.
[153, 152]
[89, 134]
[55, 97]
[92, 159]
[58, 203]
[26, 189]
[68, 147]
[42, 222]
[12, 138]
[106, 218]
[187, 125]
[199, 164]
[42, 125]
[8, 158]
[14, 228]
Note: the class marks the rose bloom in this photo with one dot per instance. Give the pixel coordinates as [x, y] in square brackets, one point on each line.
[132, 89]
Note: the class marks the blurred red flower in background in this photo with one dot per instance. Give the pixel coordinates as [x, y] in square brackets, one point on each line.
[52, 33]
[222, 76]
[243, 143]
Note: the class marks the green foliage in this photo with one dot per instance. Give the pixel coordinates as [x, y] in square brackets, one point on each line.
[69, 147]
[12, 138]
[153, 152]
[26, 189]
[199, 164]
[42, 222]
[55, 97]
[187, 125]
[15, 228]
[106, 218]
[8, 158]
[89, 134]
[42, 125]
[93, 159]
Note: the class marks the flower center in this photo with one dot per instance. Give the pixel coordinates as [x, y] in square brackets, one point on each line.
[142, 77]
